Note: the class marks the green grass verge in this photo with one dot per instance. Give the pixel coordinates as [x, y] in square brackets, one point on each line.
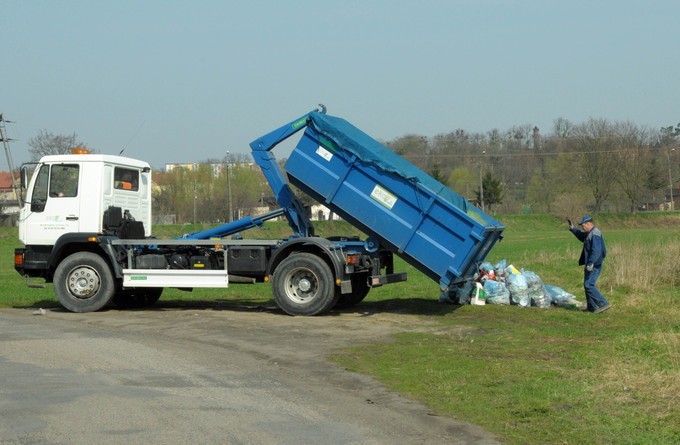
[554, 375]
[528, 375]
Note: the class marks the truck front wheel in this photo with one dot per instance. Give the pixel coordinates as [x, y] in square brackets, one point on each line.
[83, 282]
[303, 285]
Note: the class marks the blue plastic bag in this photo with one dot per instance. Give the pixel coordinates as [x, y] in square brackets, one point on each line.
[486, 267]
[519, 290]
[496, 292]
[560, 297]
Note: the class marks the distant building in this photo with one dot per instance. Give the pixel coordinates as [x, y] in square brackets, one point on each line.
[217, 168]
[322, 213]
[5, 185]
[656, 202]
[9, 207]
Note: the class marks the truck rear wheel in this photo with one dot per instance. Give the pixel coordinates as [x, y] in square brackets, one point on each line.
[83, 282]
[304, 285]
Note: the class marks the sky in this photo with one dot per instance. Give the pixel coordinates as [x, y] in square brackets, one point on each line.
[185, 81]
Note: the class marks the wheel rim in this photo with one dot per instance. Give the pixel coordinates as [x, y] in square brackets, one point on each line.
[301, 285]
[83, 282]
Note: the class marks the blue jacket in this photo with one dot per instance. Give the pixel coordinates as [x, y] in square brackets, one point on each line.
[594, 250]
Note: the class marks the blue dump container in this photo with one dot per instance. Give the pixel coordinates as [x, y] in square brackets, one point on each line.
[388, 198]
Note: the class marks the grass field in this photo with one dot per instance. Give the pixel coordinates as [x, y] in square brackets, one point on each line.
[529, 375]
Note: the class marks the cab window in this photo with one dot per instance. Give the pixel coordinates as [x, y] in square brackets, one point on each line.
[64, 181]
[126, 179]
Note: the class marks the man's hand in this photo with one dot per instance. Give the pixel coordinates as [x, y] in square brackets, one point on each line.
[571, 224]
[589, 267]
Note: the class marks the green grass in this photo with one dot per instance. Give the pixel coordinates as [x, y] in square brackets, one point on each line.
[529, 375]
[555, 375]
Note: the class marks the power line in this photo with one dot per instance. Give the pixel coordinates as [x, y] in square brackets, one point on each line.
[510, 154]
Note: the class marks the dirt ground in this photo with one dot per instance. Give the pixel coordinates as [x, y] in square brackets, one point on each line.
[204, 375]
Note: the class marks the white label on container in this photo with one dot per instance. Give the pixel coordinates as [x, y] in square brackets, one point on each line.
[383, 197]
[327, 155]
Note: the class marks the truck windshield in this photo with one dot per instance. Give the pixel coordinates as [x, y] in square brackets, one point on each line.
[39, 195]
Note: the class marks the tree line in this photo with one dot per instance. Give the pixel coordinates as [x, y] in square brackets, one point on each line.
[595, 166]
[207, 192]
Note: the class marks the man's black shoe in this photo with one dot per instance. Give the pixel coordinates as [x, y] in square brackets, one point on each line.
[601, 309]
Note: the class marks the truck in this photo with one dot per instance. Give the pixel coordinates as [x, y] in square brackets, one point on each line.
[86, 227]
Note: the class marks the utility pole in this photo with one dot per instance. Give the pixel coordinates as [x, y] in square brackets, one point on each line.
[195, 199]
[670, 176]
[231, 212]
[8, 154]
[481, 183]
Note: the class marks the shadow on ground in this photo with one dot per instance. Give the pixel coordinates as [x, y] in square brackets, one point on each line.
[410, 306]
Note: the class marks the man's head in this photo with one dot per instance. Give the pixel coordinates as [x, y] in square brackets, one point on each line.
[587, 223]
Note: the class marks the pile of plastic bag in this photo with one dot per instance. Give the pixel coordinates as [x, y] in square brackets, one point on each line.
[505, 285]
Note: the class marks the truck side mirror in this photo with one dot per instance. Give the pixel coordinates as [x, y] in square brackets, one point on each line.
[24, 177]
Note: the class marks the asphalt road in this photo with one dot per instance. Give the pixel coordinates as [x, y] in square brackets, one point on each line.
[202, 376]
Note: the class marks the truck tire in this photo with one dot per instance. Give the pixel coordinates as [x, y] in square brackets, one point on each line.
[83, 282]
[137, 297]
[303, 284]
[360, 289]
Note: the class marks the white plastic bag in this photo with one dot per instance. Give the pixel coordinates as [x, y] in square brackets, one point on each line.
[537, 292]
[519, 290]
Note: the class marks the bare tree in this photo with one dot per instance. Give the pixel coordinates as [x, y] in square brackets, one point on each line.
[46, 143]
[595, 141]
[633, 160]
[562, 127]
[669, 134]
[559, 174]
[412, 147]
[236, 158]
[519, 137]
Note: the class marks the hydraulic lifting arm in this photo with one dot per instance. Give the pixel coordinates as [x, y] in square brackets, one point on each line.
[233, 227]
[291, 205]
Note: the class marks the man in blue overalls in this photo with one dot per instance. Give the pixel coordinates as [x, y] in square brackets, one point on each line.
[592, 256]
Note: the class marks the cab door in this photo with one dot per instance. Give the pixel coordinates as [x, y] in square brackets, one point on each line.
[54, 206]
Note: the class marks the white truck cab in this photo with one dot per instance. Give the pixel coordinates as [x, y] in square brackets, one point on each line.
[69, 194]
[76, 207]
